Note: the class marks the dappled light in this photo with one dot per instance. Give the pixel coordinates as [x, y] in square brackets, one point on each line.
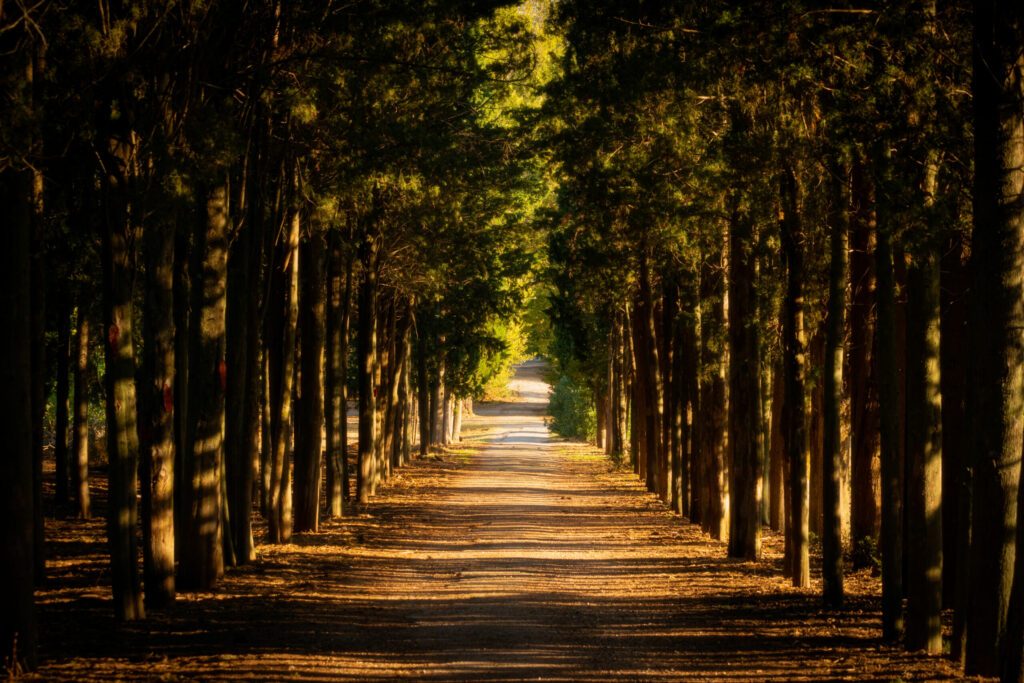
[512, 556]
[563, 340]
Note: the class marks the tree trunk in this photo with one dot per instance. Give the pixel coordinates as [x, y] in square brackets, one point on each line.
[202, 556]
[339, 270]
[408, 400]
[281, 327]
[80, 420]
[690, 407]
[388, 392]
[158, 454]
[744, 392]
[60, 446]
[671, 426]
[380, 363]
[310, 419]
[612, 396]
[924, 457]
[244, 386]
[400, 333]
[678, 435]
[17, 609]
[182, 323]
[891, 541]
[777, 452]
[795, 370]
[631, 389]
[437, 396]
[816, 426]
[956, 474]
[37, 315]
[713, 401]
[457, 422]
[865, 463]
[996, 399]
[122, 436]
[641, 396]
[655, 479]
[423, 391]
[367, 340]
[832, 456]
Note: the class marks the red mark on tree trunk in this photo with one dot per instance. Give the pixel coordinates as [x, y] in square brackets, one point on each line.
[168, 398]
[113, 335]
[222, 370]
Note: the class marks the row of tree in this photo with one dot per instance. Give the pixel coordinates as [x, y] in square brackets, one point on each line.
[243, 188]
[788, 263]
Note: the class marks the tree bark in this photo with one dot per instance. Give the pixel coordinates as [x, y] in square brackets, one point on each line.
[655, 476]
[423, 391]
[202, 556]
[17, 608]
[158, 419]
[367, 342]
[310, 418]
[832, 457]
[641, 396]
[777, 453]
[956, 473]
[864, 454]
[280, 334]
[182, 323]
[995, 630]
[670, 371]
[339, 283]
[744, 391]
[891, 538]
[122, 436]
[794, 367]
[924, 457]
[80, 420]
[37, 315]
[816, 426]
[244, 368]
[60, 446]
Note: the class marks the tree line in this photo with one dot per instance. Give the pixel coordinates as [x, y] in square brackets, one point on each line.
[788, 287]
[240, 216]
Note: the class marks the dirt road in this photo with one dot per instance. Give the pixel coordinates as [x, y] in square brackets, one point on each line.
[518, 557]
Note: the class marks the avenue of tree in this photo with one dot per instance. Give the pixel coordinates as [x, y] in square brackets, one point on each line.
[784, 260]
[787, 258]
[236, 215]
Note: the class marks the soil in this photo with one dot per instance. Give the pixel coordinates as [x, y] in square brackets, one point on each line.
[512, 556]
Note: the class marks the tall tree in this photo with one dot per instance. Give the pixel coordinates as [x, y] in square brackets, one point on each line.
[832, 548]
[745, 470]
[795, 368]
[157, 417]
[17, 609]
[119, 234]
[310, 418]
[996, 396]
[202, 558]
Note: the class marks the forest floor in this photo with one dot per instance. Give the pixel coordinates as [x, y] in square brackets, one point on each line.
[514, 556]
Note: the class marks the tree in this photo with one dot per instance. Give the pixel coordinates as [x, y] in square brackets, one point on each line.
[832, 551]
[997, 336]
[18, 622]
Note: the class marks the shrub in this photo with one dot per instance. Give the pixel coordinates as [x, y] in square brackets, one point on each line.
[571, 407]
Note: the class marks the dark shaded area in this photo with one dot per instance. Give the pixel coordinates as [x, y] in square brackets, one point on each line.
[496, 569]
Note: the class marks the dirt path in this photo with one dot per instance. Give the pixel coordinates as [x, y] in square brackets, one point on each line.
[516, 558]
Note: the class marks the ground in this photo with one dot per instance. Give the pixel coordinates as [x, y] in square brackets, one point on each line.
[513, 556]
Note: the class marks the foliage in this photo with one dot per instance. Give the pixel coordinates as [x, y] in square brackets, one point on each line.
[571, 407]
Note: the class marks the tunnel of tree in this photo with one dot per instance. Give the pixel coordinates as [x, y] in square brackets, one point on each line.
[773, 253]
